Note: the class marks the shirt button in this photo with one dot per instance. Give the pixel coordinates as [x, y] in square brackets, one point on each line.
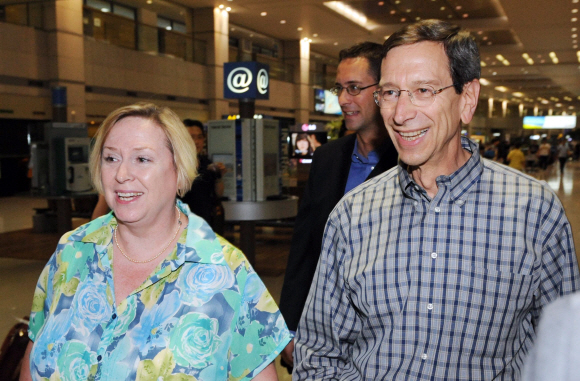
[433, 255]
[460, 202]
[437, 209]
[114, 316]
[424, 356]
[99, 358]
[429, 306]
[416, 203]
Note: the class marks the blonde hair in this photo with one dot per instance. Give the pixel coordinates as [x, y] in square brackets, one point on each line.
[178, 141]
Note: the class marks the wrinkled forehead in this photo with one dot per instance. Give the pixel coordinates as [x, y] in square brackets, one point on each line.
[423, 61]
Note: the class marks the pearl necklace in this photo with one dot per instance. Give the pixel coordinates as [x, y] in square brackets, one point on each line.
[161, 252]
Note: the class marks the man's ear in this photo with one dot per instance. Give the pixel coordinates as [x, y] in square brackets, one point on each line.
[470, 97]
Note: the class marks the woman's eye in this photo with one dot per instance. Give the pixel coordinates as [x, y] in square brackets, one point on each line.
[109, 159]
[143, 160]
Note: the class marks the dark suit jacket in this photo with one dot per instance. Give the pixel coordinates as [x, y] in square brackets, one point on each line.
[325, 187]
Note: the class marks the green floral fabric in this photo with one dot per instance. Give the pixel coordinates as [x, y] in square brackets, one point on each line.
[203, 314]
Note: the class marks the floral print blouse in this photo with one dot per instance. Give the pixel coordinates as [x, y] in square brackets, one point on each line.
[203, 314]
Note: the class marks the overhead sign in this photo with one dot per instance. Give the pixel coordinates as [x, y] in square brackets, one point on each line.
[552, 121]
[246, 80]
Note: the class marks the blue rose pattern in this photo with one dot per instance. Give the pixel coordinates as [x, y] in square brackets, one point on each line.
[188, 310]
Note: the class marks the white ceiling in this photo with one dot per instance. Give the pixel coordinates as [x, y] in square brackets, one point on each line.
[513, 27]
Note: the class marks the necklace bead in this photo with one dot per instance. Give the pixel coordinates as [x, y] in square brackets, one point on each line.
[161, 252]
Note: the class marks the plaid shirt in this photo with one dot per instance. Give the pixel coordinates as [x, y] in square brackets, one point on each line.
[449, 288]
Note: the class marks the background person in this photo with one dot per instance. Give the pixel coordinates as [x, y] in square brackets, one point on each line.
[207, 188]
[563, 154]
[148, 291]
[516, 157]
[337, 167]
[544, 153]
[439, 268]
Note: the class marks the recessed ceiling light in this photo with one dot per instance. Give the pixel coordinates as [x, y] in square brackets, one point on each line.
[409, 10]
[315, 35]
[574, 10]
[574, 35]
[574, 29]
[251, 34]
[417, 18]
[575, 46]
[232, 29]
[336, 43]
[228, 9]
[221, 6]
[393, 12]
[381, 3]
[403, 19]
[299, 28]
[449, 16]
[465, 15]
[574, 19]
[282, 21]
[263, 13]
[442, 8]
[485, 38]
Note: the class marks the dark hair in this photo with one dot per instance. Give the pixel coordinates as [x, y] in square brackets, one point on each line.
[192, 123]
[460, 48]
[369, 50]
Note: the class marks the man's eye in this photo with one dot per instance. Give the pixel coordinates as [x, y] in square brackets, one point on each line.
[390, 93]
[353, 88]
[423, 91]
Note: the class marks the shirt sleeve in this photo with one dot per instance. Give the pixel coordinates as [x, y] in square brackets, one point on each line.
[329, 323]
[259, 332]
[559, 267]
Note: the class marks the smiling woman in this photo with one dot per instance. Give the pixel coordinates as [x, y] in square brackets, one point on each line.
[149, 291]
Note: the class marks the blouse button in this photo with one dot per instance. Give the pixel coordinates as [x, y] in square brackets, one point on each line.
[99, 358]
[114, 316]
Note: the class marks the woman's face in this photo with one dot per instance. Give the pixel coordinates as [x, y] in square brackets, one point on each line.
[302, 146]
[198, 138]
[137, 171]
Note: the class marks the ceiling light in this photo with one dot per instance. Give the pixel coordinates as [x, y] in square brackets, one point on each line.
[465, 15]
[403, 19]
[104, 10]
[545, 101]
[518, 94]
[574, 10]
[228, 9]
[485, 38]
[221, 6]
[408, 10]
[349, 12]
[483, 64]
[458, 7]
[315, 35]
[499, 57]
[494, 73]
[299, 28]
[526, 56]
[282, 21]
[502, 89]
[417, 18]
[574, 19]
[336, 43]
[381, 3]
[575, 46]
[263, 13]
[552, 54]
[251, 34]
[442, 8]
[449, 16]
[530, 61]
[574, 29]
[393, 12]
[574, 35]
[149, 1]
[484, 81]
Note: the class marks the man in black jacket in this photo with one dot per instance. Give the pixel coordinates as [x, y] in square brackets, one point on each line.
[337, 167]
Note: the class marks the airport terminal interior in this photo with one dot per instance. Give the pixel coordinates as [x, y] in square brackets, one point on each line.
[65, 65]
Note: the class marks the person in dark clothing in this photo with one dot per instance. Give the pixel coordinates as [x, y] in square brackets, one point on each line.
[207, 187]
[337, 167]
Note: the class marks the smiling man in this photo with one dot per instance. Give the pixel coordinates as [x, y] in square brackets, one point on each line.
[439, 268]
[337, 167]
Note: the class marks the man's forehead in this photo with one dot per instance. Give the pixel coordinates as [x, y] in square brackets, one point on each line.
[353, 70]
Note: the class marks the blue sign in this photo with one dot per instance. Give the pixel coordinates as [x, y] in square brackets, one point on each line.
[246, 80]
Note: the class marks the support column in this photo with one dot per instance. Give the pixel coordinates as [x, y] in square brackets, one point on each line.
[298, 55]
[212, 26]
[64, 22]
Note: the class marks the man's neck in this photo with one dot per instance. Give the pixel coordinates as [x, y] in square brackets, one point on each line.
[370, 139]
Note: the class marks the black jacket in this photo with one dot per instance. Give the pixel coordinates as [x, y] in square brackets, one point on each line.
[325, 187]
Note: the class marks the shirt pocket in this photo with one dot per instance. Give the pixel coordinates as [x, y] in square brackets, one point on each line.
[496, 308]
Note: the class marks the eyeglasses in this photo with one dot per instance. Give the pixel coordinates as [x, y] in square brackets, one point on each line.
[351, 89]
[421, 97]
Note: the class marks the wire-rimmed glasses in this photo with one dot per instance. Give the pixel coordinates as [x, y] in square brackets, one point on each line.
[350, 89]
[421, 97]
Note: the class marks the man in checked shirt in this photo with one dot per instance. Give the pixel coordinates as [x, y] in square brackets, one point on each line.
[439, 268]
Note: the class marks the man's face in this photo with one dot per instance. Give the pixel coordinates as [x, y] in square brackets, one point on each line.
[428, 135]
[359, 111]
